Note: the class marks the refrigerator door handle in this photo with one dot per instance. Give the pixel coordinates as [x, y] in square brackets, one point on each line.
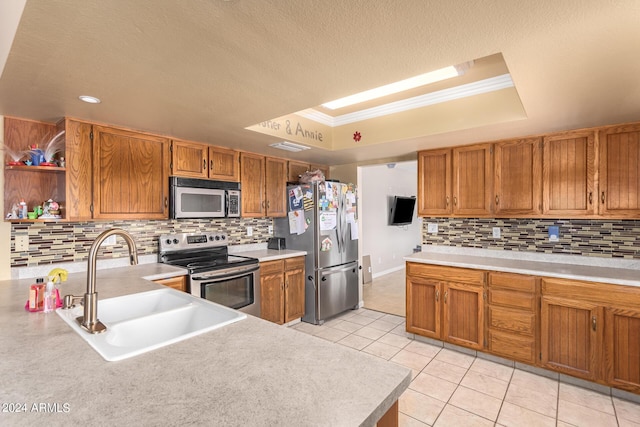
[351, 266]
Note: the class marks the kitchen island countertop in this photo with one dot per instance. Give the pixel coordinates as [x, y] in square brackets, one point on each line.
[251, 372]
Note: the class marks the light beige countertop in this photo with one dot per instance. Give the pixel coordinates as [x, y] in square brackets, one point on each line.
[592, 269]
[249, 373]
[270, 254]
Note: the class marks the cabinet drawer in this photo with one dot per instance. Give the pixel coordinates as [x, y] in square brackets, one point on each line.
[516, 282]
[506, 298]
[512, 346]
[450, 274]
[512, 320]
[271, 267]
[294, 263]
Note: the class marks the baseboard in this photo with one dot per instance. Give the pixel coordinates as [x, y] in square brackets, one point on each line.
[391, 270]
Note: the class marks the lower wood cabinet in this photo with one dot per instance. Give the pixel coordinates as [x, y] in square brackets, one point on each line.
[179, 282]
[592, 331]
[587, 330]
[282, 289]
[512, 321]
[446, 303]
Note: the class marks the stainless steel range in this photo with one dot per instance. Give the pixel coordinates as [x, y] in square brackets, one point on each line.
[230, 280]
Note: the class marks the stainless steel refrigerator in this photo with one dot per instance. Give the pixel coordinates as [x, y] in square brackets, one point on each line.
[322, 220]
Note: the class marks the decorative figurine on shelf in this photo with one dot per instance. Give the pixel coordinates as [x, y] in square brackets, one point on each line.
[16, 155]
[53, 147]
[50, 209]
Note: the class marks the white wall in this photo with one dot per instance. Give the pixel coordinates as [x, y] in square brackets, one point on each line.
[387, 245]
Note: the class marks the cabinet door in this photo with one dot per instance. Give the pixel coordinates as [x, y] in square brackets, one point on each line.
[518, 177]
[189, 159]
[272, 298]
[423, 306]
[130, 175]
[295, 170]
[568, 169]
[79, 152]
[622, 348]
[472, 180]
[463, 315]
[276, 187]
[224, 164]
[294, 294]
[178, 283]
[434, 182]
[252, 169]
[570, 336]
[620, 171]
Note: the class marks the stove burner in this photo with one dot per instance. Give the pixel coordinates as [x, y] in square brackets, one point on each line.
[205, 264]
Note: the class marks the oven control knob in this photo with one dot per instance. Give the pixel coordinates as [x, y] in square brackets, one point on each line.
[175, 241]
[222, 237]
[217, 237]
[168, 241]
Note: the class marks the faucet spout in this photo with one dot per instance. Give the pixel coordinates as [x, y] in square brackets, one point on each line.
[90, 320]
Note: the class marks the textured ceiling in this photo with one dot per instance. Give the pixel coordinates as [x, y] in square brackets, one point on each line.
[205, 70]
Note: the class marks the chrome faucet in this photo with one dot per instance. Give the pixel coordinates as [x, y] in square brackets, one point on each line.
[90, 320]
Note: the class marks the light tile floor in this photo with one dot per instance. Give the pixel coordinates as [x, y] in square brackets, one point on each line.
[450, 388]
[386, 293]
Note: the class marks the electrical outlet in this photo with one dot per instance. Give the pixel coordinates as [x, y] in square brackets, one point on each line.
[249, 231]
[22, 243]
[109, 241]
[271, 229]
[432, 227]
[496, 232]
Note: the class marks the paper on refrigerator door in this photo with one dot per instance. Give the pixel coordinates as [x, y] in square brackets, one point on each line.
[297, 224]
[328, 220]
[354, 230]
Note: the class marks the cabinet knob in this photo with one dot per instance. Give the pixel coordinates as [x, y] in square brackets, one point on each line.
[204, 164]
[602, 197]
[447, 200]
[455, 201]
[445, 296]
[593, 323]
[437, 295]
[211, 164]
[497, 199]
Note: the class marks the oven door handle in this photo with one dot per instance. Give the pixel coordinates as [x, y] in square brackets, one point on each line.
[226, 276]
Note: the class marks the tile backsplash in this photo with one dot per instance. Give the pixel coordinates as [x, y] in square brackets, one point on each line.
[51, 243]
[601, 238]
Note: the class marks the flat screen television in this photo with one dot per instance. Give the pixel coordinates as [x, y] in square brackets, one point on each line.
[401, 211]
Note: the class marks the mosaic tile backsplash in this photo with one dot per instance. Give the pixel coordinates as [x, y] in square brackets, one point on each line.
[613, 239]
[51, 243]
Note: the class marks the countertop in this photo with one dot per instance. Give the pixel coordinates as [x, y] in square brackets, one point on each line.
[591, 269]
[251, 372]
[268, 254]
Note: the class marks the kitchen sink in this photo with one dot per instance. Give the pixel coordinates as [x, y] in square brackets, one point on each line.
[146, 321]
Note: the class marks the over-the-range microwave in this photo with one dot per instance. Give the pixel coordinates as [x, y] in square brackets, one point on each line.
[203, 198]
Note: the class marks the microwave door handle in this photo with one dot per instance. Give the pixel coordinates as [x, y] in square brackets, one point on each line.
[226, 203]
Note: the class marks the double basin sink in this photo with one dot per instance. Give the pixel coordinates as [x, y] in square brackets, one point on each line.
[145, 321]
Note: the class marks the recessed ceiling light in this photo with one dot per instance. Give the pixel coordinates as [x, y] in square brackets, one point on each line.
[289, 146]
[89, 99]
[401, 86]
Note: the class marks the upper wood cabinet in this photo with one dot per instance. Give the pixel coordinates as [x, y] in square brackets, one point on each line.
[620, 171]
[434, 182]
[263, 181]
[473, 180]
[130, 175]
[197, 160]
[518, 177]
[295, 170]
[79, 158]
[568, 174]
[455, 181]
